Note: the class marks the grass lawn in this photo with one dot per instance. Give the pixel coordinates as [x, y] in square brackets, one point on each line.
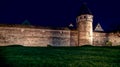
[85, 56]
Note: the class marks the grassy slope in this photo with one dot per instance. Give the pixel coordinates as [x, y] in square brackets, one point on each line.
[86, 56]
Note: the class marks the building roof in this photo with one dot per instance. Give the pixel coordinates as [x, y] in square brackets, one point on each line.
[84, 10]
[98, 28]
[26, 22]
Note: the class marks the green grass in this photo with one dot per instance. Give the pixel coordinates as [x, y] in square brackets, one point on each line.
[85, 56]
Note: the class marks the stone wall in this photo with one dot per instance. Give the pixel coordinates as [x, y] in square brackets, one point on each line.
[74, 38]
[33, 37]
[99, 38]
[44, 37]
[114, 38]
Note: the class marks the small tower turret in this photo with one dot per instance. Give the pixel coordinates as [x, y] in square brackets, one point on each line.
[84, 26]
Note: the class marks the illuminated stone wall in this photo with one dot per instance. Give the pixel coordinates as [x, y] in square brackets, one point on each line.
[101, 38]
[85, 29]
[44, 37]
[74, 38]
[114, 38]
[34, 37]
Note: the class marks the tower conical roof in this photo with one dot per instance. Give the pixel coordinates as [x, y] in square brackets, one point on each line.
[70, 25]
[84, 10]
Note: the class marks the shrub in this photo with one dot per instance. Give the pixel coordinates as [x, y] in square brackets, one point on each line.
[108, 43]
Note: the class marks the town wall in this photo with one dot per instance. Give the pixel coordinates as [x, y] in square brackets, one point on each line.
[114, 38]
[44, 37]
[33, 37]
[74, 38]
[100, 38]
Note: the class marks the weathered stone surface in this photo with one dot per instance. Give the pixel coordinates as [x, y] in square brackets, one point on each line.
[100, 39]
[85, 29]
[44, 37]
[34, 37]
[74, 38]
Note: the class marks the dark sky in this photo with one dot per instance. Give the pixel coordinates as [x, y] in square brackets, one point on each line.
[59, 12]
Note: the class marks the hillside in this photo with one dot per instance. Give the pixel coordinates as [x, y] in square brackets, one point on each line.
[85, 56]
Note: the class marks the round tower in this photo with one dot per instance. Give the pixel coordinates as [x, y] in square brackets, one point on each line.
[84, 26]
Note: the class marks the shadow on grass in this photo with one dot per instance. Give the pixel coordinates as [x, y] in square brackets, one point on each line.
[15, 45]
[3, 59]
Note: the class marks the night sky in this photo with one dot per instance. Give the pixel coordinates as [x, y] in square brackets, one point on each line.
[59, 12]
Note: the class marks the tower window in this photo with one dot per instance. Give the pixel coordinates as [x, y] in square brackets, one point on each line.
[85, 17]
[80, 17]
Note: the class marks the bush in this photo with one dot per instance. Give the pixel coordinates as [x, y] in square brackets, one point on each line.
[108, 43]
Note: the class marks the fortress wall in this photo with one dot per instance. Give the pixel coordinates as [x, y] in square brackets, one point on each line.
[74, 38]
[33, 37]
[99, 38]
[44, 37]
[114, 38]
[60, 38]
